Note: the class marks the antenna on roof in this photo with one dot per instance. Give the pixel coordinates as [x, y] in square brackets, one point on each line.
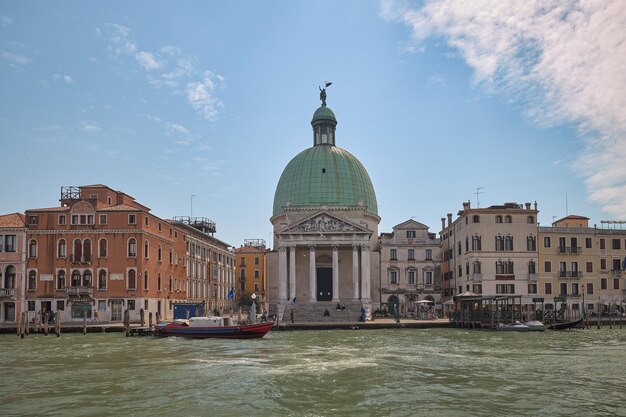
[566, 209]
[191, 211]
[478, 192]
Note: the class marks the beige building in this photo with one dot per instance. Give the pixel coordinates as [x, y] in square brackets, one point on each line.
[581, 263]
[250, 261]
[491, 251]
[410, 266]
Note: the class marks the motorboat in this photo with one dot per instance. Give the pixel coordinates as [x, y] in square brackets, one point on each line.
[513, 327]
[566, 325]
[535, 326]
[212, 327]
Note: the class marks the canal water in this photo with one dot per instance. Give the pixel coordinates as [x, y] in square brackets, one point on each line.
[403, 372]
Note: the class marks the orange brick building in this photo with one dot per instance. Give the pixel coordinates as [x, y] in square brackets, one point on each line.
[251, 268]
[12, 266]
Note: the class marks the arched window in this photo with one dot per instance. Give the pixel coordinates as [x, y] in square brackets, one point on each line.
[32, 280]
[87, 278]
[499, 243]
[102, 279]
[170, 286]
[508, 267]
[132, 248]
[477, 267]
[508, 243]
[242, 274]
[498, 219]
[393, 276]
[145, 280]
[160, 254]
[75, 279]
[507, 219]
[476, 219]
[87, 250]
[531, 243]
[146, 249]
[410, 276]
[499, 267]
[78, 250]
[61, 280]
[466, 268]
[171, 257]
[9, 277]
[102, 248]
[530, 219]
[159, 282]
[476, 244]
[32, 249]
[531, 267]
[132, 279]
[61, 248]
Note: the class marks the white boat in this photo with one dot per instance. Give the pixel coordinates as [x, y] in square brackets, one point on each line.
[513, 327]
[535, 325]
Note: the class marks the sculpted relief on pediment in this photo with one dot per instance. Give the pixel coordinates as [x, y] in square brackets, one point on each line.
[324, 223]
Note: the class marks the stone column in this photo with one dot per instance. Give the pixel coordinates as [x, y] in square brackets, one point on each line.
[355, 271]
[365, 278]
[282, 274]
[335, 273]
[292, 272]
[312, 275]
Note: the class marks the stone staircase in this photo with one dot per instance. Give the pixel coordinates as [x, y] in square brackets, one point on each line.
[306, 312]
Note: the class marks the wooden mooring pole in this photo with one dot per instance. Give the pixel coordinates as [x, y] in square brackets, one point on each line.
[57, 325]
[84, 322]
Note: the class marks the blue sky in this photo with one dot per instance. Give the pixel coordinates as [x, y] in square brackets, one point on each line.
[166, 100]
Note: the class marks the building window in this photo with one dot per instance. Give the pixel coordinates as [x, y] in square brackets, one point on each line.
[256, 273]
[78, 251]
[477, 267]
[532, 288]
[476, 219]
[145, 280]
[393, 276]
[159, 226]
[75, 279]
[603, 264]
[546, 241]
[603, 284]
[411, 276]
[590, 288]
[132, 279]
[61, 279]
[132, 248]
[102, 279]
[411, 256]
[499, 243]
[61, 248]
[87, 279]
[171, 257]
[132, 219]
[32, 220]
[103, 219]
[547, 266]
[589, 266]
[548, 288]
[508, 243]
[159, 282]
[507, 219]
[256, 260]
[498, 219]
[61, 219]
[602, 244]
[531, 267]
[145, 220]
[32, 249]
[476, 245]
[531, 244]
[563, 288]
[429, 254]
[616, 283]
[588, 243]
[10, 243]
[160, 253]
[530, 219]
[428, 277]
[102, 248]
[393, 254]
[505, 288]
[60, 305]
[410, 234]
[87, 250]
[32, 280]
[616, 244]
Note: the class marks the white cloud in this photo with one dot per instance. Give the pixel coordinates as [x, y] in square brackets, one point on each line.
[58, 77]
[564, 60]
[18, 59]
[200, 95]
[118, 36]
[87, 127]
[177, 129]
[5, 21]
[148, 60]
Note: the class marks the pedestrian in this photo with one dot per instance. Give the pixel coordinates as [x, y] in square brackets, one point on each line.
[326, 313]
[95, 316]
[291, 315]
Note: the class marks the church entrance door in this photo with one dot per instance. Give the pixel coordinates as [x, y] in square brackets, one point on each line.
[324, 284]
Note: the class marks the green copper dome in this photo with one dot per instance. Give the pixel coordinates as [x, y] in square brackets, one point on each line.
[325, 175]
[324, 113]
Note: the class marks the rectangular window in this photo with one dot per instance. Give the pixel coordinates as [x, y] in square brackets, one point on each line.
[131, 305]
[393, 254]
[428, 278]
[602, 244]
[10, 243]
[60, 305]
[532, 288]
[132, 219]
[548, 288]
[411, 254]
[410, 234]
[103, 219]
[75, 219]
[546, 241]
[616, 283]
[603, 284]
[603, 264]
[563, 288]
[256, 273]
[589, 267]
[588, 243]
[616, 243]
[256, 261]
[429, 254]
[411, 277]
[145, 220]
[62, 219]
[590, 288]
[159, 226]
[32, 220]
[31, 305]
[393, 276]
[547, 266]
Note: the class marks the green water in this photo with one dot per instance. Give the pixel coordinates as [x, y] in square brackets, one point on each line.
[409, 372]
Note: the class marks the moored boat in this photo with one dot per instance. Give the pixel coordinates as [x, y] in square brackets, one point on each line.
[513, 327]
[212, 327]
[566, 325]
[535, 326]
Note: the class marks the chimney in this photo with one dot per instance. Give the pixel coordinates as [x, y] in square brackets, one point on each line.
[443, 223]
[535, 205]
[449, 219]
[527, 206]
[466, 205]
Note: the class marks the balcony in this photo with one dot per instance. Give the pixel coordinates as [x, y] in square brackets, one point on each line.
[78, 291]
[575, 274]
[8, 292]
[616, 272]
[562, 274]
[533, 277]
[569, 249]
[80, 259]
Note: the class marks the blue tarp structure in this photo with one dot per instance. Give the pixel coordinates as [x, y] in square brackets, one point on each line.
[194, 309]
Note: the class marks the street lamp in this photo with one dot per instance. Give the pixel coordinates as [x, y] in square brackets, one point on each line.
[253, 309]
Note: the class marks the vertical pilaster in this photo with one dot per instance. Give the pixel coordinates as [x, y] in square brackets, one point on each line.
[292, 272]
[365, 278]
[312, 275]
[335, 273]
[355, 272]
[282, 274]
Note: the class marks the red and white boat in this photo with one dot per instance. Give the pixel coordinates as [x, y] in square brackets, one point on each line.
[212, 327]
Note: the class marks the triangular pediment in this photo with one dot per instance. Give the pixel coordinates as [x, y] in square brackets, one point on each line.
[324, 222]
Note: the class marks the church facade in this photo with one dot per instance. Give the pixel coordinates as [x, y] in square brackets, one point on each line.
[325, 222]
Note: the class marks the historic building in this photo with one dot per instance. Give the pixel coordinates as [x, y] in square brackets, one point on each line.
[410, 266]
[325, 221]
[102, 250]
[250, 259]
[491, 251]
[581, 264]
[12, 266]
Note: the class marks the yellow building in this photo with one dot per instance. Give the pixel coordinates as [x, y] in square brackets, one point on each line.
[581, 263]
[250, 264]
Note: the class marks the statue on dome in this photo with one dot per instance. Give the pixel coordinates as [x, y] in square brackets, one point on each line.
[323, 93]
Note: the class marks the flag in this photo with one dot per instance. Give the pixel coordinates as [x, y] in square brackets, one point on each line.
[231, 293]
[624, 264]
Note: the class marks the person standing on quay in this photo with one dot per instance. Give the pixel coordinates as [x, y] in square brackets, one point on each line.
[95, 316]
[291, 315]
